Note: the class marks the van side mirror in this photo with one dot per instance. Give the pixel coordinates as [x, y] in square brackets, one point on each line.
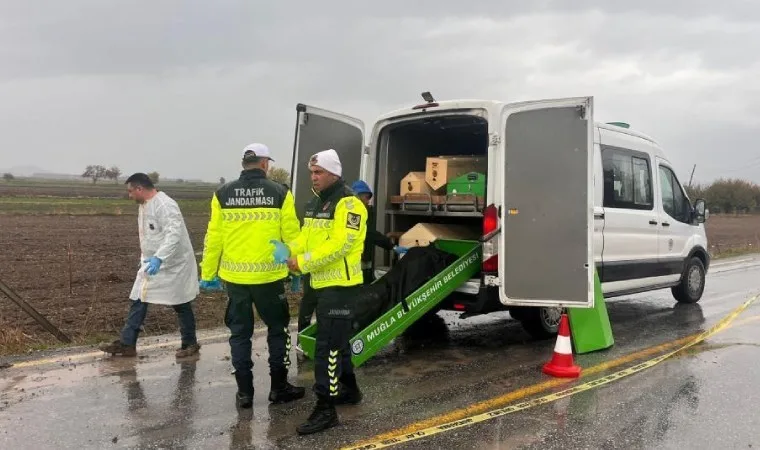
[700, 211]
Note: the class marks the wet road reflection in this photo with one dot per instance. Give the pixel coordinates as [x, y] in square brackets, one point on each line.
[443, 365]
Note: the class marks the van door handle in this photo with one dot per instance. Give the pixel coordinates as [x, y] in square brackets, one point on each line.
[598, 215]
[652, 222]
[665, 224]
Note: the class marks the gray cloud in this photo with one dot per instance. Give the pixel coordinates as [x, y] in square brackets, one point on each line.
[182, 86]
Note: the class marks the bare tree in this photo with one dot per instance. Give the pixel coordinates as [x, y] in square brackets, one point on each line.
[113, 173]
[95, 172]
[154, 177]
[279, 175]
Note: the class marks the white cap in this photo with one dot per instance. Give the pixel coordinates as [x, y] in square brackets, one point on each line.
[328, 160]
[257, 150]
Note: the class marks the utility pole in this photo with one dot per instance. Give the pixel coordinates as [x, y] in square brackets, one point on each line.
[692, 174]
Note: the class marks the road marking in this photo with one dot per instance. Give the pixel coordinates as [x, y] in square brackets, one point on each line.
[727, 263]
[466, 416]
[93, 354]
[81, 356]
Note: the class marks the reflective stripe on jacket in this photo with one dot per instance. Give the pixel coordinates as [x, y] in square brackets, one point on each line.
[332, 239]
[245, 215]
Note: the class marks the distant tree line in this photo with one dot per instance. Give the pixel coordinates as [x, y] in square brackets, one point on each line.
[277, 174]
[97, 172]
[728, 195]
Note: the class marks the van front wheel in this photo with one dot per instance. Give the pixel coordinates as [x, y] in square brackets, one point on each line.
[692, 284]
[541, 323]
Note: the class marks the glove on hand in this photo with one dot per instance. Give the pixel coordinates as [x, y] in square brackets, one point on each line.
[213, 285]
[153, 265]
[400, 250]
[281, 252]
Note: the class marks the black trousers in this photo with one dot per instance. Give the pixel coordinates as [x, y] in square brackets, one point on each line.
[369, 276]
[272, 307]
[308, 304]
[335, 317]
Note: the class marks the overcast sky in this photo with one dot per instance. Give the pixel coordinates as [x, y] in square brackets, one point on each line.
[182, 86]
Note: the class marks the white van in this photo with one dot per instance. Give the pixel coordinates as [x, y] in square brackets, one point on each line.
[564, 196]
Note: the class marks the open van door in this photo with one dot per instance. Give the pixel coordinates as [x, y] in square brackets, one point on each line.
[546, 255]
[317, 130]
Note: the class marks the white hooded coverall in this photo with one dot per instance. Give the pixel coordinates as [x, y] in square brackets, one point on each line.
[163, 234]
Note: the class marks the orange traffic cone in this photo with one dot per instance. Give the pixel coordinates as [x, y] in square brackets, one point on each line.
[562, 364]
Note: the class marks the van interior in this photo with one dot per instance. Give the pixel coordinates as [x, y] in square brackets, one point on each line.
[404, 147]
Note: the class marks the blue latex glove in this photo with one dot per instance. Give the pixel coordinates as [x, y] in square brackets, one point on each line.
[153, 265]
[281, 252]
[213, 285]
[400, 250]
[295, 283]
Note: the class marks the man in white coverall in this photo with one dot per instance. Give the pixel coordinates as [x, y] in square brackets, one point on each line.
[168, 273]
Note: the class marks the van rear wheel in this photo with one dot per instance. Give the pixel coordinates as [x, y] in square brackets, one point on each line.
[541, 323]
[692, 284]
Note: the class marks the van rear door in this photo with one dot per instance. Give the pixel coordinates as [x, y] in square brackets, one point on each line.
[546, 255]
[316, 130]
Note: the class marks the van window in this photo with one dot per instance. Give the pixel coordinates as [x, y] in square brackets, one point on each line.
[627, 179]
[674, 201]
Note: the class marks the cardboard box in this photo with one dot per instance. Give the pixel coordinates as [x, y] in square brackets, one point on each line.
[440, 170]
[414, 183]
[469, 183]
[422, 234]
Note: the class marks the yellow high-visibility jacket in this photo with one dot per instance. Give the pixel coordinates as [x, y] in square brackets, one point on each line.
[245, 215]
[332, 238]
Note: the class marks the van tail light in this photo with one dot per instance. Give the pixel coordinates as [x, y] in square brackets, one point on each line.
[490, 220]
[490, 251]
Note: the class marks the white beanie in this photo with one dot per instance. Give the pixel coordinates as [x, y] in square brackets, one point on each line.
[328, 160]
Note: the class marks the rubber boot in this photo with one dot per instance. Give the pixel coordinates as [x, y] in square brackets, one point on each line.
[282, 391]
[323, 417]
[349, 391]
[244, 396]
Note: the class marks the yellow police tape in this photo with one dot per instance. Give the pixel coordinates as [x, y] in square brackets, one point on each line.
[721, 325]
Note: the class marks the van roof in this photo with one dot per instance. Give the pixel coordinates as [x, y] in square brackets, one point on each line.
[493, 104]
[443, 105]
[618, 129]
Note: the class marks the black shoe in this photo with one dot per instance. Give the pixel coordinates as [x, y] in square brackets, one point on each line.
[244, 396]
[243, 401]
[282, 391]
[322, 418]
[349, 391]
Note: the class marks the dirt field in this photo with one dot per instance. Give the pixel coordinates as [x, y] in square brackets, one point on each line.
[728, 234]
[88, 297]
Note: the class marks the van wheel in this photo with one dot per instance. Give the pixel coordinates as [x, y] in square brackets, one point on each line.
[541, 323]
[692, 284]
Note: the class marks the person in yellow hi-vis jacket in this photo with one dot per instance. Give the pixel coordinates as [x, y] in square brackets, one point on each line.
[329, 248]
[246, 214]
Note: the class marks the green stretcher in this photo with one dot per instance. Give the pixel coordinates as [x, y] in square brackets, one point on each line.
[395, 321]
[590, 326]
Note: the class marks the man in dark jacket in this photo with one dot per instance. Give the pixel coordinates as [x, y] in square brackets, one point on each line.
[374, 237]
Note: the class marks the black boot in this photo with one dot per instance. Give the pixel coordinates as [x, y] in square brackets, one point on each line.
[323, 417]
[244, 396]
[349, 391]
[282, 391]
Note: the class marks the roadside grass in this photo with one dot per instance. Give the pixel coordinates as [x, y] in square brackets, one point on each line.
[87, 206]
[735, 251]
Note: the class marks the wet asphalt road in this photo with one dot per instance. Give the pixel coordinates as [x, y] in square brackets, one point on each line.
[704, 398]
